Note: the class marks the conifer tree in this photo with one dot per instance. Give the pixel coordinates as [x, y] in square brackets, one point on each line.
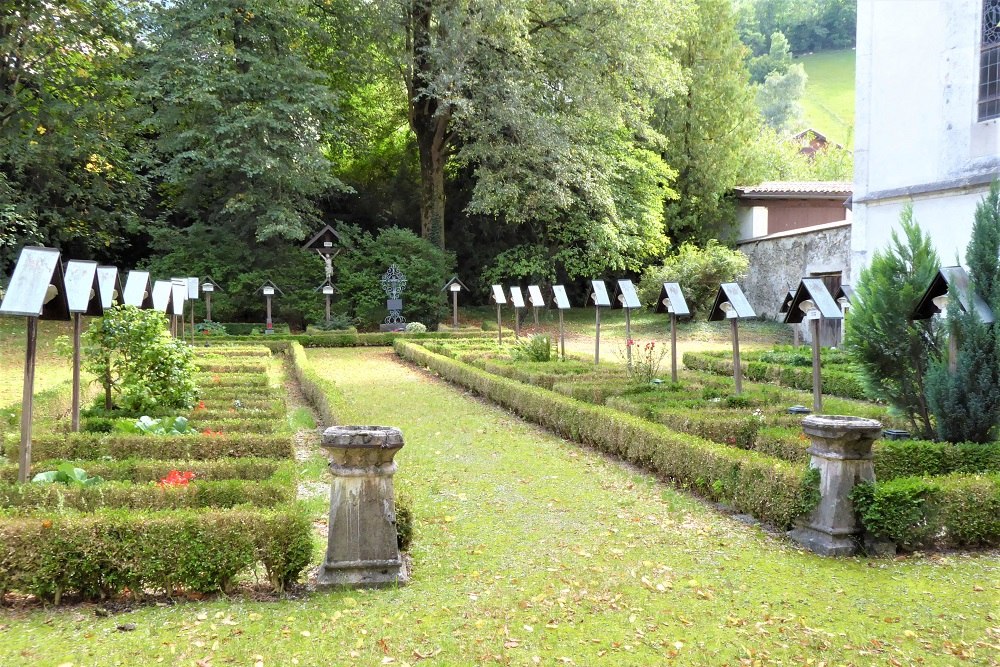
[966, 402]
[891, 349]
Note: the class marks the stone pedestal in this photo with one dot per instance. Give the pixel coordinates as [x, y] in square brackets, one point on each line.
[842, 451]
[362, 550]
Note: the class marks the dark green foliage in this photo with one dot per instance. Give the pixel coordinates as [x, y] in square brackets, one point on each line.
[770, 489]
[891, 350]
[950, 511]
[817, 25]
[141, 367]
[908, 458]
[404, 520]
[101, 554]
[699, 270]
[425, 266]
[966, 403]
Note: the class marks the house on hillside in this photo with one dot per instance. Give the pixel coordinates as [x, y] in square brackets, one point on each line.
[927, 127]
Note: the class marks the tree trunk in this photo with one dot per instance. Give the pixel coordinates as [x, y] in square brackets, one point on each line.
[429, 121]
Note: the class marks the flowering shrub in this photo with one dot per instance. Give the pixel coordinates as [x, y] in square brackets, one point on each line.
[212, 434]
[175, 478]
[210, 329]
[645, 364]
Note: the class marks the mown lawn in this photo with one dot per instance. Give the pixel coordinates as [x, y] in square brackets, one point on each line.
[51, 369]
[530, 550]
[828, 103]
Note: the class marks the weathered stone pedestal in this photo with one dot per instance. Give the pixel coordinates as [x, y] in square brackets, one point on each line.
[842, 451]
[362, 550]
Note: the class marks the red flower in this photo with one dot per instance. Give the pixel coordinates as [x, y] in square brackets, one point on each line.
[176, 478]
[212, 434]
[629, 342]
[201, 405]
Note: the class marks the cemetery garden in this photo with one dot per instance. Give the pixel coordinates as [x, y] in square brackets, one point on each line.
[643, 523]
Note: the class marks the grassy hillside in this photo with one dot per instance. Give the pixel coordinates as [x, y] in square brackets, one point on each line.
[829, 99]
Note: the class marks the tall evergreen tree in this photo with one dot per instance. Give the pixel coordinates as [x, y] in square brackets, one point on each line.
[892, 350]
[709, 126]
[966, 401]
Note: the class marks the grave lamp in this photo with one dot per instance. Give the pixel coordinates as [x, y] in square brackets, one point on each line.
[51, 292]
[941, 303]
[728, 309]
[807, 306]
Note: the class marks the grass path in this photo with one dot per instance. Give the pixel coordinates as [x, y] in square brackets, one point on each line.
[530, 550]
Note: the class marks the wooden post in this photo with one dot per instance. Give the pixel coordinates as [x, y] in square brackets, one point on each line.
[673, 348]
[192, 321]
[268, 325]
[27, 400]
[795, 336]
[75, 418]
[517, 324]
[597, 338]
[817, 380]
[562, 337]
[454, 310]
[737, 369]
[499, 326]
[327, 308]
[952, 353]
[534, 311]
[208, 306]
[628, 336]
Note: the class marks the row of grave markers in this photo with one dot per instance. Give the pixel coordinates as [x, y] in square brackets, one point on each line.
[41, 287]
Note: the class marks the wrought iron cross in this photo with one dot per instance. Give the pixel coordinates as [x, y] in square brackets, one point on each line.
[393, 283]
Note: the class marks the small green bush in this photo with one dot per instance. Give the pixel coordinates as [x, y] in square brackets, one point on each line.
[536, 348]
[141, 368]
[414, 327]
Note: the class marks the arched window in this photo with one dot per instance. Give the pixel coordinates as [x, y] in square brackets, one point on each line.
[989, 62]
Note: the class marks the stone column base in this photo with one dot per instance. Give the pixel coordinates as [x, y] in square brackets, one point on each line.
[362, 574]
[824, 543]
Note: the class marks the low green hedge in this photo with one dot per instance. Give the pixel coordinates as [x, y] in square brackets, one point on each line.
[75, 446]
[767, 488]
[320, 393]
[210, 366]
[234, 424]
[207, 381]
[948, 511]
[835, 381]
[103, 554]
[147, 470]
[147, 496]
[912, 458]
[279, 342]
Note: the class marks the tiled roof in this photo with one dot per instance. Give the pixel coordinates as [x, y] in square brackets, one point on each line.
[793, 188]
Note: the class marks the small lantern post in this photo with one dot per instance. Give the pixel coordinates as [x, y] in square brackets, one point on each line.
[599, 295]
[454, 286]
[517, 300]
[328, 291]
[138, 290]
[499, 298]
[731, 304]
[36, 291]
[813, 302]
[208, 288]
[562, 304]
[269, 289]
[951, 288]
[627, 299]
[672, 301]
[537, 301]
[82, 297]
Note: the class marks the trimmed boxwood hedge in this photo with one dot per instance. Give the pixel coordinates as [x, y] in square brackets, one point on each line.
[102, 554]
[18, 498]
[770, 489]
[279, 342]
[145, 470]
[320, 393]
[96, 445]
[946, 511]
[835, 382]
